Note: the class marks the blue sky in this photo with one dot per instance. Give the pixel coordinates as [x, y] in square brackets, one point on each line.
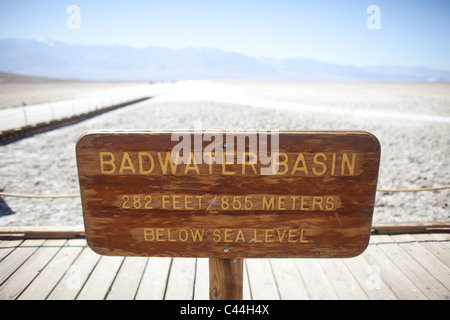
[413, 33]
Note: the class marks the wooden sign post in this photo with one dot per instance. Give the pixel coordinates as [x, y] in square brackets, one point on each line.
[228, 195]
[226, 279]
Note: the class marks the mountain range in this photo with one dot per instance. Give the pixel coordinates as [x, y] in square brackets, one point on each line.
[121, 63]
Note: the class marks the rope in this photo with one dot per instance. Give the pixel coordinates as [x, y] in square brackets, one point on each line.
[51, 196]
[55, 196]
[412, 190]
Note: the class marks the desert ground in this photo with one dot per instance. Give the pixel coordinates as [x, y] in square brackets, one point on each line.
[411, 121]
[23, 93]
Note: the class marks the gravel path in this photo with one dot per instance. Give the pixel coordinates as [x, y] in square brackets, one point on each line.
[412, 122]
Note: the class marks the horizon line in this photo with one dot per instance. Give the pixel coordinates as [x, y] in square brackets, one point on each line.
[47, 40]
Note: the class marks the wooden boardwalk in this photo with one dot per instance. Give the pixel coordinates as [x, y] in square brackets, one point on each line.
[403, 266]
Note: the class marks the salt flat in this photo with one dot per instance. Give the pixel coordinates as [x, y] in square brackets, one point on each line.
[23, 93]
[411, 121]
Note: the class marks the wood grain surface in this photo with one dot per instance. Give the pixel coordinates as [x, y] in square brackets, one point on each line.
[318, 202]
[226, 279]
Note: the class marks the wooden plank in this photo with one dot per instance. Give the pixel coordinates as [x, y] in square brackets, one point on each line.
[47, 279]
[128, 278]
[8, 246]
[416, 258]
[137, 201]
[369, 278]
[180, 285]
[403, 287]
[44, 232]
[315, 279]
[154, 282]
[16, 258]
[442, 236]
[246, 289]
[263, 285]
[410, 227]
[342, 280]
[19, 281]
[423, 237]
[421, 278]
[432, 264]
[440, 249]
[289, 282]
[201, 286]
[77, 274]
[101, 279]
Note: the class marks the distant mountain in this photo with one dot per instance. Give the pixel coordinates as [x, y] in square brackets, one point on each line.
[60, 60]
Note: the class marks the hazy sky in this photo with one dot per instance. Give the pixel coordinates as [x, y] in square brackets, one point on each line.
[412, 33]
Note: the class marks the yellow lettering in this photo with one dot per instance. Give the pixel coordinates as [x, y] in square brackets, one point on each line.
[255, 238]
[304, 202]
[216, 235]
[240, 236]
[165, 200]
[209, 162]
[333, 165]
[187, 203]
[199, 201]
[281, 203]
[318, 201]
[168, 160]
[191, 165]
[302, 239]
[346, 163]
[330, 203]
[324, 166]
[228, 233]
[267, 204]
[126, 164]
[294, 198]
[185, 237]
[251, 163]
[110, 162]
[141, 163]
[197, 235]
[304, 168]
[170, 238]
[269, 233]
[225, 235]
[176, 201]
[224, 163]
[159, 234]
[149, 234]
[292, 235]
[276, 163]
[281, 235]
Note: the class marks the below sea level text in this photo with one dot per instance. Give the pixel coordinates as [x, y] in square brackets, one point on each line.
[225, 235]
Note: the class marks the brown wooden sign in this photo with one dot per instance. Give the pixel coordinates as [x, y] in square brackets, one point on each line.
[234, 194]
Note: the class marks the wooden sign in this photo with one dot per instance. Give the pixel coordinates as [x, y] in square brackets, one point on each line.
[228, 194]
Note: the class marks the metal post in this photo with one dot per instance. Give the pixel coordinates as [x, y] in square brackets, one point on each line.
[25, 117]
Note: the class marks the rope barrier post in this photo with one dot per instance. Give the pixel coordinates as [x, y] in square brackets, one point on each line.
[226, 279]
[25, 117]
